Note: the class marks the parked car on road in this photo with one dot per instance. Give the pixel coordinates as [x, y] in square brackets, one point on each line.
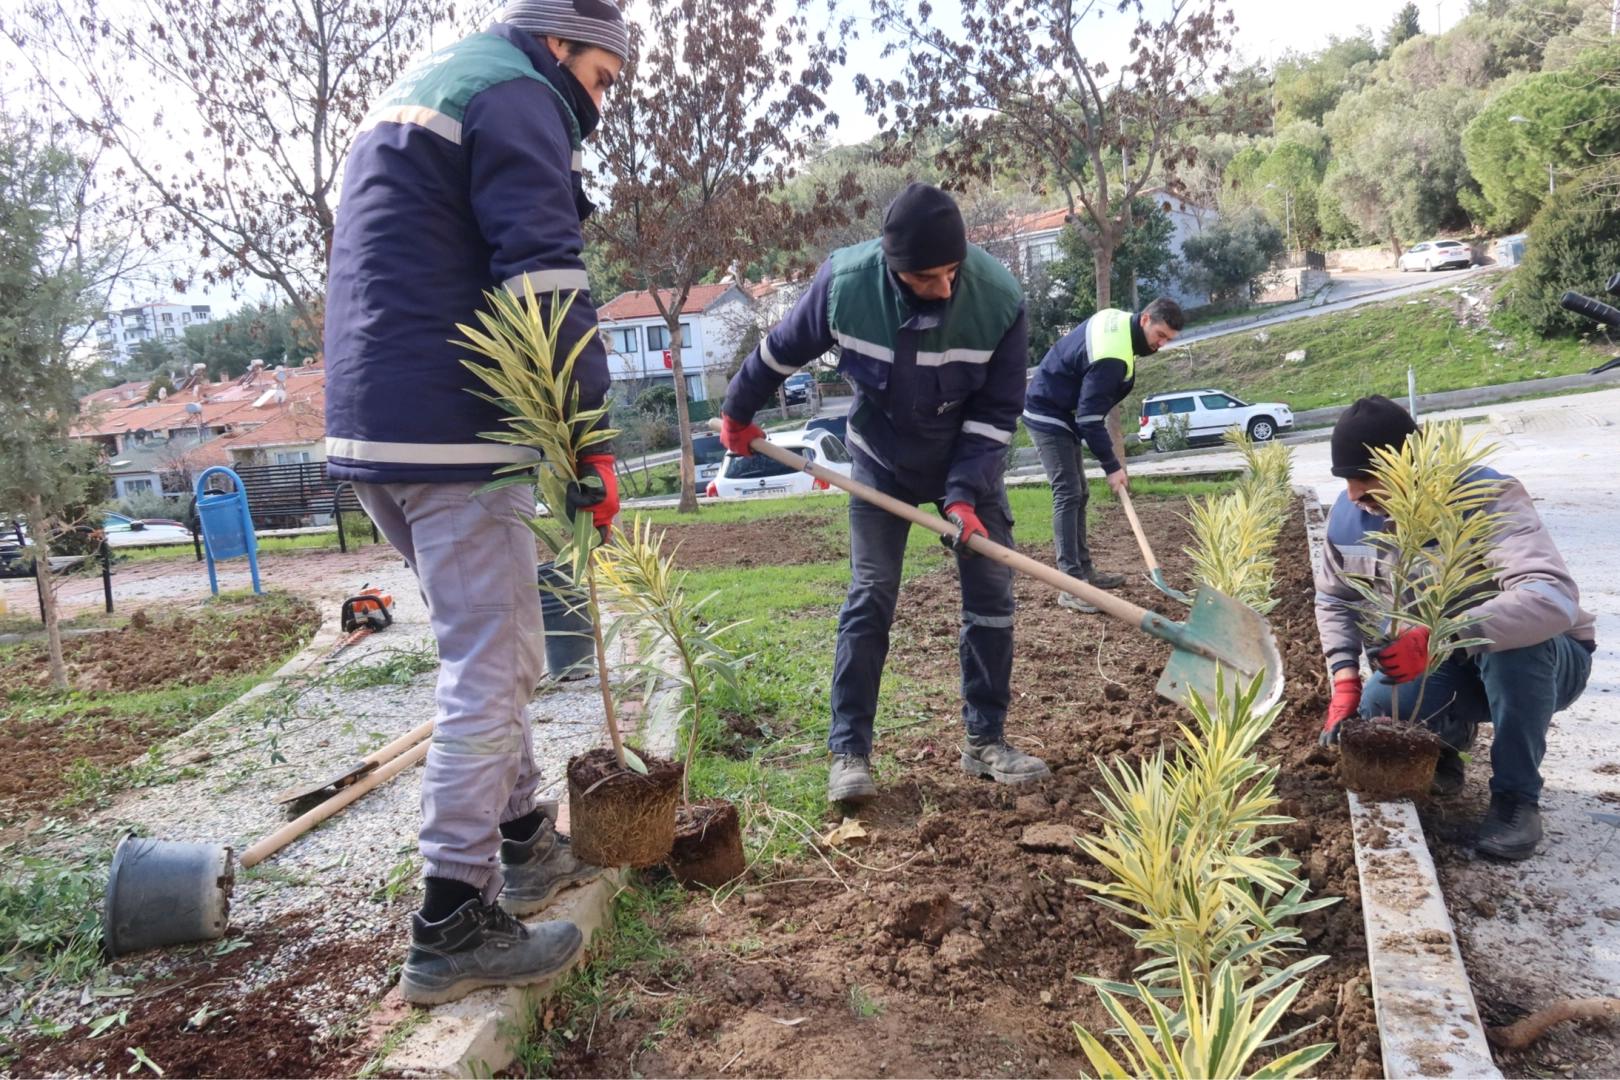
[797, 388]
[707, 454]
[1210, 413]
[748, 477]
[838, 425]
[1436, 255]
[122, 531]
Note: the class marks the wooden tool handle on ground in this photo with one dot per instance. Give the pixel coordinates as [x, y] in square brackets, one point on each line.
[400, 745]
[1136, 527]
[1106, 602]
[294, 829]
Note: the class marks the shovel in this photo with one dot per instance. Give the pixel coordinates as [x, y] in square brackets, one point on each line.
[304, 795]
[1219, 631]
[1155, 575]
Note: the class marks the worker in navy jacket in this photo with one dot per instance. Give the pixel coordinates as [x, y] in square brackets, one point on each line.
[464, 179]
[932, 336]
[1081, 379]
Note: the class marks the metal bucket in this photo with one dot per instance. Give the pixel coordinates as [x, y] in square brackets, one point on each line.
[161, 892]
[570, 645]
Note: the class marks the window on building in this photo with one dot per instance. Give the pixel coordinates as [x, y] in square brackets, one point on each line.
[1041, 254]
[168, 316]
[292, 457]
[625, 342]
[168, 331]
[137, 487]
[185, 316]
[658, 338]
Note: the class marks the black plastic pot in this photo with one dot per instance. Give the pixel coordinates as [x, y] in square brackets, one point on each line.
[570, 645]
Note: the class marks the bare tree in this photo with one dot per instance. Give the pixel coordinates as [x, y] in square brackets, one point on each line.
[720, 103]
[1019, 80]
[233, 118]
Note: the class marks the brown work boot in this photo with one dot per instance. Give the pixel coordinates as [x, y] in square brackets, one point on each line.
[1102, 579]
[850, 779]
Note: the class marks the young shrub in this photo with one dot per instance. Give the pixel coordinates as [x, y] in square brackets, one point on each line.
[643, 580]
[1269, 479]
[1233, 536]
[1439, 534]
[1214, 1033]
[538, 393]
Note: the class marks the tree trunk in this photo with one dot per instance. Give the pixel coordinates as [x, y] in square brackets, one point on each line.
[1395, 241]
[1136, 295]
[47, 597]
[683, 417]
[1103, 260]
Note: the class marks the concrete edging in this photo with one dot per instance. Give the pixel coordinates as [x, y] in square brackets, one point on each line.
[1428, 1022]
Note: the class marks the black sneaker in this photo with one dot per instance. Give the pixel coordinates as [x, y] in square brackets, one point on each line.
[481, 945]
[537, 867]
[1448, 775]
[1511, 829]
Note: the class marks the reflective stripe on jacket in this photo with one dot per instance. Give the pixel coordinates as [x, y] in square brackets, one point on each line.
[1084, 376]
[1538, 599]
[463, 178]
[938, 386]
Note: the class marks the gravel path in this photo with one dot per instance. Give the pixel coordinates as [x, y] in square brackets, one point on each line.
[329, 887]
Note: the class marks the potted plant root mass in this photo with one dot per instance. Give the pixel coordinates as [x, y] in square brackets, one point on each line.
[708, 847]
[619, 816]
[1387, 760]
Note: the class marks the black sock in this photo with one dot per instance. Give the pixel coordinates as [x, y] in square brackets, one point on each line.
[522, 828]
[445, 897]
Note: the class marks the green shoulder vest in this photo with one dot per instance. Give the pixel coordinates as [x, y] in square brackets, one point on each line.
[434, 93]
[1108, 337]
[866, 310]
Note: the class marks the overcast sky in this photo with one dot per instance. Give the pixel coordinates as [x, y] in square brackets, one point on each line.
[1266, 29]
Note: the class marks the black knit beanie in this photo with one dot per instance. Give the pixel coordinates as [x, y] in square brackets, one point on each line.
[923, 229]
[1373, 423]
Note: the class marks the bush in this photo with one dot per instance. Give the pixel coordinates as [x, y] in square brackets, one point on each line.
[1230, 253]
[1574, 244]
[150, 504]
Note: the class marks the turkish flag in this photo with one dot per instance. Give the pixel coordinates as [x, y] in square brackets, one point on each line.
[669, 361]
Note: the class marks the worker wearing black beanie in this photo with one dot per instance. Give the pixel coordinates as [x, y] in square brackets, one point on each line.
[923, 230]
[1373, 423]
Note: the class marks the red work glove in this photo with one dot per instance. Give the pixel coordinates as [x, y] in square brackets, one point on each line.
[1346, 701]
[1405, 658]
[735, 436]
[600, 497]
[967, 524]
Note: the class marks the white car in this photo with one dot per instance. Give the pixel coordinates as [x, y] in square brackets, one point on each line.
[132, 532]
[1436, 255]
[1210, 413]
[757, 476]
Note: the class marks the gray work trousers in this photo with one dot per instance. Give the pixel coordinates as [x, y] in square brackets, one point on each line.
[475, 562]
[1060, 459]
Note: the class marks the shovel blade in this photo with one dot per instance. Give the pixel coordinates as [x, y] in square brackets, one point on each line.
[1219, 633]
[1157, 577]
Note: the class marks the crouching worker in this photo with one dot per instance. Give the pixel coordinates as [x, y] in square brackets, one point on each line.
[1084, 376]
[933, 339]
[1540, 641]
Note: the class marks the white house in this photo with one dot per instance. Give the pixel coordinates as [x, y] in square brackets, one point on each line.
[714, 322]
[119, 332]
[1035, 238]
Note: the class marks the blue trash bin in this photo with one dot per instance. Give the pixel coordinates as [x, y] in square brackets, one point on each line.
[227, 527]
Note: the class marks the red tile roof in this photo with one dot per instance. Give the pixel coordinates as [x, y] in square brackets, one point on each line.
[640, 305]
[294, 426]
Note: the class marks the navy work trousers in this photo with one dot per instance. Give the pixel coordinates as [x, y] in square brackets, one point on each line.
[877, 551]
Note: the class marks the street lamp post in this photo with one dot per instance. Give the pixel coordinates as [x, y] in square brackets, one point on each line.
[1288, 213]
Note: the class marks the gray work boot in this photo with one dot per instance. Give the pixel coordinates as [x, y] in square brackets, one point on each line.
[481, 945]
[537, 867]
[1069, 600]
[1511, 829]
[1002, 763]
[1448, 774]
[850, 779]
[1102, 578]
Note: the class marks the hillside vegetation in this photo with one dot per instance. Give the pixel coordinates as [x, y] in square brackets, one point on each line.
[1453, 338]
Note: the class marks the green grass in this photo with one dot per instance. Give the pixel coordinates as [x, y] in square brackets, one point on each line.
[1364, 351]
[772, 750]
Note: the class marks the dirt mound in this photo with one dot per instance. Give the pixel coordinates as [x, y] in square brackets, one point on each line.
[950, 949]
[53, 744]
[788, 540]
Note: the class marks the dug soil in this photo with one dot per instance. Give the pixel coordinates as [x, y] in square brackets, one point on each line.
[787, 540]
[237, 1008]
[46, 736]
[950, 942]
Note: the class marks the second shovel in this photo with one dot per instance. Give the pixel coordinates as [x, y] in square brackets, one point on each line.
[1155, 575]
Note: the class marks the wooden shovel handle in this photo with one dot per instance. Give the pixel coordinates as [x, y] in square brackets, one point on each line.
[1136, 527]
[294, 829]
[1106, 602]
[400, 745]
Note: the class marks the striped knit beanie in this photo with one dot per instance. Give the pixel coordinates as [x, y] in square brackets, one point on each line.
[590, 22]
